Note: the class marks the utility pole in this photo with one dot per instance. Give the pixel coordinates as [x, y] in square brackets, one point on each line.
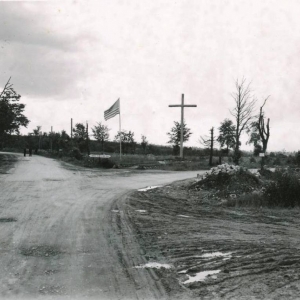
[182, 120]
[87, 138]
[40, 136]
[51, 139]
[71, 128]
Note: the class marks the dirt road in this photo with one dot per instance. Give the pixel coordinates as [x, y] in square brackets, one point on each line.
[218, 251]
[57, 232]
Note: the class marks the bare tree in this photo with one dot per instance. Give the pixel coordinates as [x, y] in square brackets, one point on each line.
[263, 129]
[260, 131]
[244, 106]
[209, 143]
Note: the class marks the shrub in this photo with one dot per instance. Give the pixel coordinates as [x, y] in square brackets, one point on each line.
[253, 200]
[272, 154]
[75, 152]
[105, 163]
[252, 159]
[284, 191]
[277, 161]
[297, 158]
[291, 160]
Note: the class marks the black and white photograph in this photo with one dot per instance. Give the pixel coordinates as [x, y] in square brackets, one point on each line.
[150, 149]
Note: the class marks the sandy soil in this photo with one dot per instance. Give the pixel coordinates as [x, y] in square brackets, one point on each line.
[250, 253]
[64, 234]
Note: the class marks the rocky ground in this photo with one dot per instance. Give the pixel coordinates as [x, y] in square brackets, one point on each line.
[213, 251]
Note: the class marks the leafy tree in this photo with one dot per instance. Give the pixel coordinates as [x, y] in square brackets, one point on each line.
[60, 140]
[127, 141]
[37, 131]
[257, 149]
[11, 112]
[209, 143]
[100, 133]
[175, 133]
[227, 134]
[242, 112]
[35, 138]
[144, 143]
[81, 136]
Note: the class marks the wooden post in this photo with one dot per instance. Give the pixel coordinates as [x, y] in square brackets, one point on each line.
[51, 139]
[71, 129]
[182, 121]
[181, 127]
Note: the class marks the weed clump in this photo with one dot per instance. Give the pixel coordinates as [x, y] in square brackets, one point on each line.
[75, 152]
[284, 191]
[228, 180]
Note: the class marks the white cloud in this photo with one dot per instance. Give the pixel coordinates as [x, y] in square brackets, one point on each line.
[74, 59]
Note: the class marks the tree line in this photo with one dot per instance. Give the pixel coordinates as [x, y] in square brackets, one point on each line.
[228, 138]
[230, 132]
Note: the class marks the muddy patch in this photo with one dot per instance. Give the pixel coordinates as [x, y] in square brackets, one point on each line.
[53, 179]
[7, 220]
[40, 251]
[52, 290]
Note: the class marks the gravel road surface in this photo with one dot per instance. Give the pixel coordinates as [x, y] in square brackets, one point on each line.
[57, 231]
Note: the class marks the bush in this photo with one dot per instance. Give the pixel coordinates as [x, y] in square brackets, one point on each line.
[277, 161]
[253, 200]
[75, 152]
[297, 158]
[252, 159]
[291, 160]
[272, 154]
[284, 191]
[105, 163]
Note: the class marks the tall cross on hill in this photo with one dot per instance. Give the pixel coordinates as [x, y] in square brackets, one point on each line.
[182, 115]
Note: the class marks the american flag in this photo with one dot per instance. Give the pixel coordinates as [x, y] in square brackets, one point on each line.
[112, 111]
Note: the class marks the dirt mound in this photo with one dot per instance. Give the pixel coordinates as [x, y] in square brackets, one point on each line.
[227, 180]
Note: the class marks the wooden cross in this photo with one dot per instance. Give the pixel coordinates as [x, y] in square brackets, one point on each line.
[182, 115]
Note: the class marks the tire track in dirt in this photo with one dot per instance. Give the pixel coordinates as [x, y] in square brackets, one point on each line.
[256, 252]
[62, 243]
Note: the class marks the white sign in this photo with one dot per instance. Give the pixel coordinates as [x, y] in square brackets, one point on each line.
[261, 154]
[100, 155]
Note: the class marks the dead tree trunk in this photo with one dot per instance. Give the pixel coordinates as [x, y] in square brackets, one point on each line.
[211, 146]
[244, 105]
[263, 130]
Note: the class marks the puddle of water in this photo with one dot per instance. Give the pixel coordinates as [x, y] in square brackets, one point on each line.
[115, 211]
[183, 216]
[215, 254]
[7, 220]
[154, 265]
[149, 188]
[201, 276]
[141, 210]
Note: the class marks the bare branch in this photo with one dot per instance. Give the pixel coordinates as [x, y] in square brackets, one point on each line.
[7, 86]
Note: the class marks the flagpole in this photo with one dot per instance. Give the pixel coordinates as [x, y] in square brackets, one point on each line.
[120, 130]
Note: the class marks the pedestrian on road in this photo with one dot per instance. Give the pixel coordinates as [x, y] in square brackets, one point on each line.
[24, 151]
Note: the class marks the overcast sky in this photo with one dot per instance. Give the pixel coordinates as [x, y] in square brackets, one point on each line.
[74, 60]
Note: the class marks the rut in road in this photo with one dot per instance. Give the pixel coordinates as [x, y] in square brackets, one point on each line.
[62, 241]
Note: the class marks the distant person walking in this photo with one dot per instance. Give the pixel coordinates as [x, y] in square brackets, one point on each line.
[24, 151]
